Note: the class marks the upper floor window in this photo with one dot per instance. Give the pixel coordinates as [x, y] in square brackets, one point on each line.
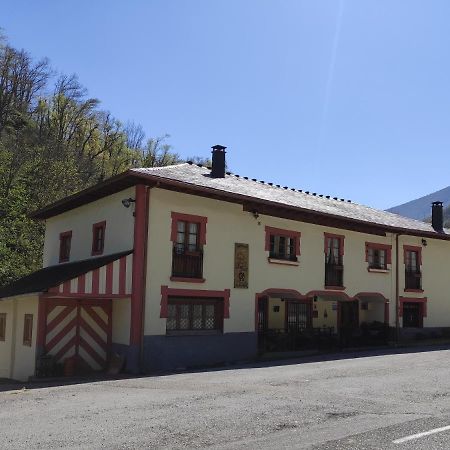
[28, 330]
[98, 238]
[188, 236]
[334, 252]
[334, 249]
[413, 261]
[378, 256]
[282, 244]
[65, 240]
[2, 327]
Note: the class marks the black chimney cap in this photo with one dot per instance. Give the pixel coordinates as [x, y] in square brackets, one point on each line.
[219, 148]
[218, 161]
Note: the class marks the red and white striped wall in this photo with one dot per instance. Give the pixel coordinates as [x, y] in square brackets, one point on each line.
[113, 279]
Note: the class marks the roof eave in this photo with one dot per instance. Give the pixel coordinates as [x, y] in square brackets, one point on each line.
[88, 195]
[131, 177]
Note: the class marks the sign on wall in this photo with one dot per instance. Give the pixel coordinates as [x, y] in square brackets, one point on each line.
[241, 266]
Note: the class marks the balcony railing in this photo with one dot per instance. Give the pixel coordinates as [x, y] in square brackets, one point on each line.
[413, 279]
[334, 274]
[283, 257]
[187, 264]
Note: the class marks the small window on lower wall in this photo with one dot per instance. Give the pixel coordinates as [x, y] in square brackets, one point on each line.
[28, 330]
[2, 327]
[194, 316]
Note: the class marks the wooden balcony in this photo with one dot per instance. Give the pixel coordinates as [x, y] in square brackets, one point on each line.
[334, 274]
[187, 264]
[413, 279]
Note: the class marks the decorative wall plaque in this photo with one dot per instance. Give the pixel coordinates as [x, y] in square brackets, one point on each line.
[241, 266]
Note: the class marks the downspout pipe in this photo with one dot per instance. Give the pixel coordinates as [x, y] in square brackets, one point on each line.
[397, 292]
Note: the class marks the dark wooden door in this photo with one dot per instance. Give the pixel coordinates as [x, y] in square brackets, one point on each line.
[263, 314]
[412, 315]
[349, 315]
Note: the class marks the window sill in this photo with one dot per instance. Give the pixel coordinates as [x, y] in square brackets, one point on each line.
[336, 288]
[414, 290]
[284, 262]
[187, 280]
[174, 333]
[370, 269]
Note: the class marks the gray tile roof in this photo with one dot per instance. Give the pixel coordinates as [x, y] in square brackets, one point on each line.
[194, 175]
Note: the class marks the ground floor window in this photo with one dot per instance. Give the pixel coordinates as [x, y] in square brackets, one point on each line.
[298, 316]
[194, 315]
[412, 315]
[28, 330]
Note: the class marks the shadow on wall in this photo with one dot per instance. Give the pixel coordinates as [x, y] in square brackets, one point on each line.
[18, 388]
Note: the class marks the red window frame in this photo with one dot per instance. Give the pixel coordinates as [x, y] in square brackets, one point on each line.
[201, 221]
[376, 246]
[272, 232]
[421, 301]
[28, 330]
[65, 241]
[2, 327]
[167, 292]
[407, 249]
[98, 237]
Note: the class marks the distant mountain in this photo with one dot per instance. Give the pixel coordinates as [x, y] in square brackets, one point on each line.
[420, 208]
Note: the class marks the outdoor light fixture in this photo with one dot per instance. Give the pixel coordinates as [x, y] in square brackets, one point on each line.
[127, 202]
[255, 214]
[424, 242]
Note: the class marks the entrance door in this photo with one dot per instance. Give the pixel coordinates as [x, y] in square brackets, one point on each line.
[412, 315]
[80, 329]
[349, 315]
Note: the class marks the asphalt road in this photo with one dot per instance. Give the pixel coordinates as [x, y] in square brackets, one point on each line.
[352, 403]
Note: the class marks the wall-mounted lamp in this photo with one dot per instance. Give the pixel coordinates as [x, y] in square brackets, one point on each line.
[424, 242]
[255, 214]
[127, 202]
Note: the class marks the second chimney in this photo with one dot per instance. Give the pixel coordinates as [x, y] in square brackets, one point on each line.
[437, 216]
[218, 161]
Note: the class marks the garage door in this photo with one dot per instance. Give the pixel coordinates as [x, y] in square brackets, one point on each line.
[80, 328]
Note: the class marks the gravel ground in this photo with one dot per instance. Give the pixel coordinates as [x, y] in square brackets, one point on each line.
[353, 403]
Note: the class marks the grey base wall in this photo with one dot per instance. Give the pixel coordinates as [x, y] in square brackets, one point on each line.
[165, 353]
[424, 333]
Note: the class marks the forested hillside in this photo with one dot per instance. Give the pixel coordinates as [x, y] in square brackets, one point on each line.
[54, 140]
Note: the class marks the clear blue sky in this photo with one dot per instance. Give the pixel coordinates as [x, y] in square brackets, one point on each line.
[349, 98]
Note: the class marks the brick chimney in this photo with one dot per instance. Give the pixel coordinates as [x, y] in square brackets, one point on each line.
[218, 161]
[437, 216]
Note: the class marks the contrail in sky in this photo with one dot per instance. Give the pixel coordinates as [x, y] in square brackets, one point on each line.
[329, 84]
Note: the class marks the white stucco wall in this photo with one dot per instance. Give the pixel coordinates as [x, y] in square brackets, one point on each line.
[121, 313]
[228, 224]
[17, 361]
[119, 228]
[7, 307]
